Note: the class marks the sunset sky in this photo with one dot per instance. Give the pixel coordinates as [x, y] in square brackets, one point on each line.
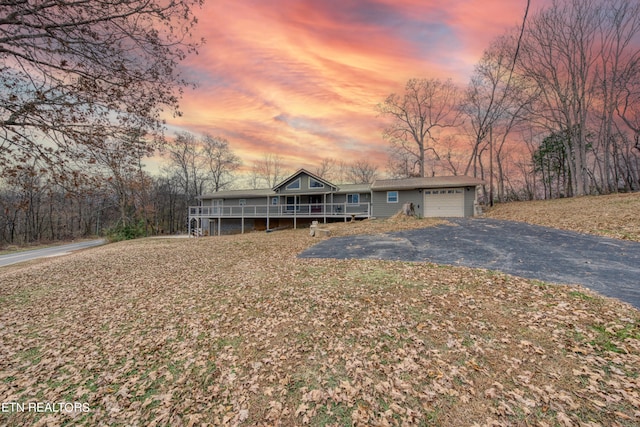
[301, 78]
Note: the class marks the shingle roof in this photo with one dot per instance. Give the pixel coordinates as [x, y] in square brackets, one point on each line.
[239, 194]
[353, 188]
[378, 185]
[430, 182]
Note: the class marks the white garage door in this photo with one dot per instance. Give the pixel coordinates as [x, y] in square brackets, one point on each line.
[444, 202]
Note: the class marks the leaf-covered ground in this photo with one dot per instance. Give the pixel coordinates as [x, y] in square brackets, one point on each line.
[237, 331]
[616, 215]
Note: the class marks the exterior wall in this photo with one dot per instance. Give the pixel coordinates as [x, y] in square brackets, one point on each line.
[342, 198]
[469, 201]
[304, 186]
[253, 201]
[381, 209]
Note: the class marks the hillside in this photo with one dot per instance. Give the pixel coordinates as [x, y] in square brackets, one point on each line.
[236, 330]
[616, 215]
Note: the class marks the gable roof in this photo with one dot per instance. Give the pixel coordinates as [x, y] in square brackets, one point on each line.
[429, 182]
[378, 185]
[300, 172]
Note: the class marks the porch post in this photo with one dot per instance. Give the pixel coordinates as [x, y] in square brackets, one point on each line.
[189, 224]
[324, 207]
[268, 208]
[332, 206]
[242, 220]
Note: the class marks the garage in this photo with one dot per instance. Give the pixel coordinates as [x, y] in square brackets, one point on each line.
[444, 202]
[434, 196]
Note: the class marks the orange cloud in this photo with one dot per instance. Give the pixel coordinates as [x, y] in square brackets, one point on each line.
[301, 78]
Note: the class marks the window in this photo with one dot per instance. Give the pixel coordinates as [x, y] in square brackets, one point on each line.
[274, 201]
[353, 199]
[242, 202]
[314, 183]
[392, 197]
[295, 185]
[293, 202]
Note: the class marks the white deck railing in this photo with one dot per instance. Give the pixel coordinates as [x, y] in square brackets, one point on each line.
[273, 211]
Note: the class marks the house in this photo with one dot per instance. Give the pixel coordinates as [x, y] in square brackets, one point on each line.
[304, 197]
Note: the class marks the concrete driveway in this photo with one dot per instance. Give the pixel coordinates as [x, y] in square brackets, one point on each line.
[608, 266]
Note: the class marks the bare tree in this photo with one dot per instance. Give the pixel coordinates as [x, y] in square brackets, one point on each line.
[497, 103]
[402, 164]
[361, 172]
[219, 161]
[186, 163]
[75, 73]
[617, 76]
[559, 55]
[326, 168]
[427, 107]
[268, 172]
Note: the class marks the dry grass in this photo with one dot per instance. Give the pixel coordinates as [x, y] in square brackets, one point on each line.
[615, 215]
[238, 331]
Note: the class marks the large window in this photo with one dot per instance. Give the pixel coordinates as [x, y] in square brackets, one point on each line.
[392, 197]
[314, 183]
[353, 199]
[295, 185]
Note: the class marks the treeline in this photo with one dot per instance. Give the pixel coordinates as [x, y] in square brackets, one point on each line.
[35, 208]
[115, 196]
[551, 110]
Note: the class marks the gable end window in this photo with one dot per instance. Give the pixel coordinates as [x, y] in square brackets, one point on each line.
[294, 185]
[392, 197]
[314, 183]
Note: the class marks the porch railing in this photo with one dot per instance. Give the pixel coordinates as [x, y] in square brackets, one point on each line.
[299, 210]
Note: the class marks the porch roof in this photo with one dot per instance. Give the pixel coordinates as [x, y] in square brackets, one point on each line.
[267, 192]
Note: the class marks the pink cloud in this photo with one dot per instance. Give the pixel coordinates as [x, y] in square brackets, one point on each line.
[302, 78]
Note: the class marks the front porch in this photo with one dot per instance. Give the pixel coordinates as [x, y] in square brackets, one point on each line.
[317, 211]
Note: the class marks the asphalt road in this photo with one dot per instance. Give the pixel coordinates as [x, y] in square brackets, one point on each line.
[47, 252]
[608, 266]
